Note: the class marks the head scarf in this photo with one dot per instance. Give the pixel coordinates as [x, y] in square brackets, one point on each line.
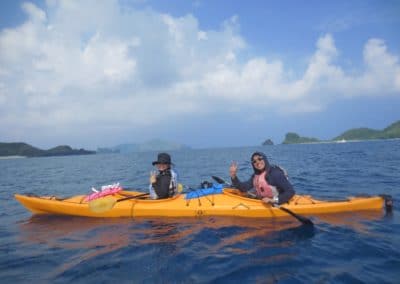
[261, 154]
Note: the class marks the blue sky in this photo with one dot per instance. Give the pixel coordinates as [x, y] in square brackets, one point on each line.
[203, 73]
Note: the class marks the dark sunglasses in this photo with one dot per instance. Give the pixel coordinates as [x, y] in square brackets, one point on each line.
[257, 160]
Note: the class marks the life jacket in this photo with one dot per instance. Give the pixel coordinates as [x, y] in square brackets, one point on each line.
[262, 187]
[173, 185]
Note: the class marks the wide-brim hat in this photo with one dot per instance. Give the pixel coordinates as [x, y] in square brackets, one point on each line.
[163, 158]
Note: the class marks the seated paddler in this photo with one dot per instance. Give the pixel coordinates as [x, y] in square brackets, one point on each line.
[164, 181]
[270, 182]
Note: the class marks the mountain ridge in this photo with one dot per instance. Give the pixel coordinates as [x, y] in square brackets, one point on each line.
[26, 150]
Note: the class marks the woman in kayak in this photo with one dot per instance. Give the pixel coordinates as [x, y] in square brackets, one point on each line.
[270, 182]
[164, 183]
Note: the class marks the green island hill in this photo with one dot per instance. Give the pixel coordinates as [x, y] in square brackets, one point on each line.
[294, 138]
[25, 150]
[355, 134]
[268, 142]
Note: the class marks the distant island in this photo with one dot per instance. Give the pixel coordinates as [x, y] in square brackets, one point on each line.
[268, 142]
[355, 134]
[390, 132]
[26, 150]
[151, 145]
[294, 138]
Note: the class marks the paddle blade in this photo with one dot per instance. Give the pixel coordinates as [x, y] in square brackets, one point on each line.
[218, 180]
[102, 204]
[302, 219]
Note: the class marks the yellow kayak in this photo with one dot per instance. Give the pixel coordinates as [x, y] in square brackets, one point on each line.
[230, 202]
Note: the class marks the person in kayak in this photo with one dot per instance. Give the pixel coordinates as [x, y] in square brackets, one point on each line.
[164, 183]
[270, 182]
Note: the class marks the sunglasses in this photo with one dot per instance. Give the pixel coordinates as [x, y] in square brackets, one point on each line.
[257, 160]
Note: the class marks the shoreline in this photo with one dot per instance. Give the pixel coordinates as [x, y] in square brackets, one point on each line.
[11, 157]
[342, 142]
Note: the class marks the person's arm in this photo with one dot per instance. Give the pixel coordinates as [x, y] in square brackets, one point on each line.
[242, 186]
[283, 185]
[161, 186]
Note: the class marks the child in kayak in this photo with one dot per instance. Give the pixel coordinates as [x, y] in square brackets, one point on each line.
[270, 182]
[164, 183]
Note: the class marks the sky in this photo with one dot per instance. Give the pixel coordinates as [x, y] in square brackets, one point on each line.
[202, 73]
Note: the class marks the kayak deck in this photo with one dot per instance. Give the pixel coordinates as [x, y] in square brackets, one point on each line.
[230, 202]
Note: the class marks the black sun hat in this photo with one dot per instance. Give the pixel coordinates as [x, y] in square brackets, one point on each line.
[163, 158]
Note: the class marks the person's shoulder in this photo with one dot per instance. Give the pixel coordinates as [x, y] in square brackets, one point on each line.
[277, 171]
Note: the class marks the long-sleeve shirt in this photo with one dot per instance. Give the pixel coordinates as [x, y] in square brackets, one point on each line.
[274, 177]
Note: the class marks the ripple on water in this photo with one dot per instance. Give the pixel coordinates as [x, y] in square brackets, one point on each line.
[353, 247]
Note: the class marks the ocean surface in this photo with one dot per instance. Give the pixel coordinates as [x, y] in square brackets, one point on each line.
[361, 247]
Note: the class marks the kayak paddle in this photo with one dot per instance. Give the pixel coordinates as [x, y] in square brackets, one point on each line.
[106, 203]
[300, 218]
[219, 180]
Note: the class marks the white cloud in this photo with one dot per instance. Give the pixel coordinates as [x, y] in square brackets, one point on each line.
[34, 13]
[95, 64]
[382, 69]
[109, 59]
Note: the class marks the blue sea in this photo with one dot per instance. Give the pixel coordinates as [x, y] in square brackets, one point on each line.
[361, 247]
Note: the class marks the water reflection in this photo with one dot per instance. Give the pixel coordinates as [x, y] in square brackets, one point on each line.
[78, 232]
[358, 221]
[86, 242]
[81, 239]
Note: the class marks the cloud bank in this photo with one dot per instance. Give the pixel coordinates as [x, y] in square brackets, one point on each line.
[88, 68]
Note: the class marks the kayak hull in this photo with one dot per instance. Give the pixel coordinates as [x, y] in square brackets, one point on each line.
[229, 203]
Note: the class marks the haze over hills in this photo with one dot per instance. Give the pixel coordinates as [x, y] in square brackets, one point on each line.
[151, 145]
[26, 150]
[390, 132]
[21, 149]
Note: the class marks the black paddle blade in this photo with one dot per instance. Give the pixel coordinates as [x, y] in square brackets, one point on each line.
[218, 180]
[302, 219]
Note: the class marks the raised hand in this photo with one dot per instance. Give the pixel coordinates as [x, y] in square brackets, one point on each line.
[152, 177]
[233, 169]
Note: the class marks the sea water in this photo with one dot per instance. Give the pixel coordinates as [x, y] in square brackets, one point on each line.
[362, 247]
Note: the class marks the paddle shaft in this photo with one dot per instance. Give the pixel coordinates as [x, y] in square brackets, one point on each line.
[106, 203]
[132, 197]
